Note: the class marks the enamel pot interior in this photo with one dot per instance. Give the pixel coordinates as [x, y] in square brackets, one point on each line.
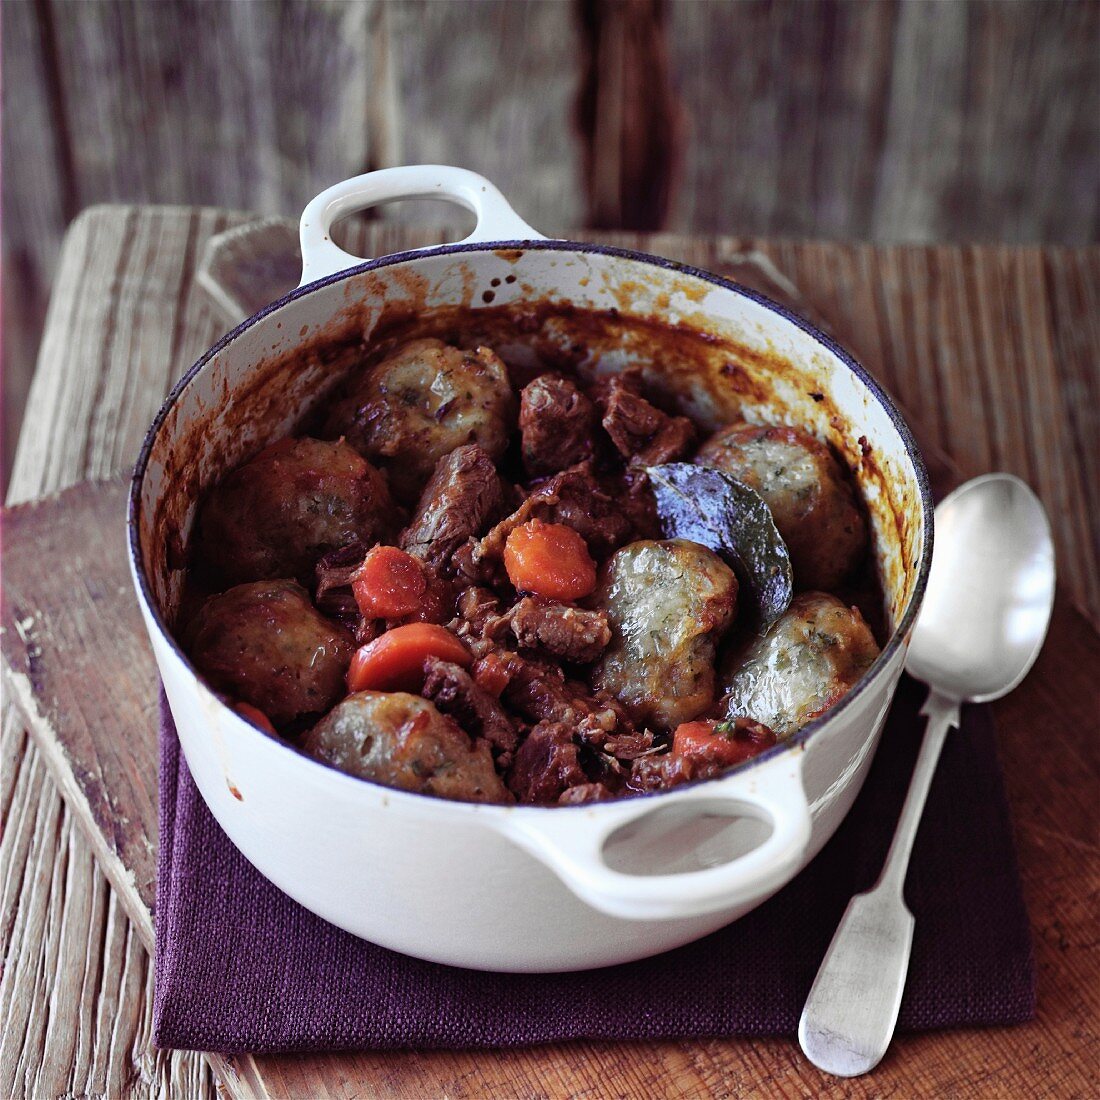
[714, 351]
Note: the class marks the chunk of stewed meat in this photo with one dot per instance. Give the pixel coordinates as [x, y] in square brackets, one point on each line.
[642, 433]
[264, 643]
[660, 771]
[585, 792]
[806, 663]
[403, 741]
[333, 595]
[290, 505]
[539, 690]
[557, 424]
[530, 686]
[455, 692]
[465, 494]
[668, 603]
[574, 498]
[813, 504]
[420, 403]
[562, 630]
[592, 507]
[478, 614]
[547, 764]
[700, 754]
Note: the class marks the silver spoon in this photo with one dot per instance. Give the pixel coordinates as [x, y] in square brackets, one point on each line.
[984, 618]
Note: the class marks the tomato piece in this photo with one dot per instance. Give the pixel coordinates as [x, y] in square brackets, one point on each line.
[550, 560]
[394, 661]
[390, 584]
[256, 716]
[723, 743]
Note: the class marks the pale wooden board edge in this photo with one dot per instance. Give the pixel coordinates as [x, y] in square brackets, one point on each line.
[238, 1074]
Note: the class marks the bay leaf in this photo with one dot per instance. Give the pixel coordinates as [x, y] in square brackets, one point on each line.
[723, 514]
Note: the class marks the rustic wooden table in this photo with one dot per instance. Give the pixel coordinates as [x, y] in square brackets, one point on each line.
[992, 350]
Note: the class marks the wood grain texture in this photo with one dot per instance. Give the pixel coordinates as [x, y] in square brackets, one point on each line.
[919, 121]
[75, 971]
[489, 85]
[630, 119]
[77, 982]
[126, 319]
[915, 121]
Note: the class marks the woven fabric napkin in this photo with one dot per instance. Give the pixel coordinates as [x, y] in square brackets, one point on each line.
[241, 967]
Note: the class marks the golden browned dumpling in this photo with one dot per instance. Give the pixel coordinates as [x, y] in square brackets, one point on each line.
[401, 740]
[267, 645]
[422, 402]
[667, 602]
[294, 502]
[802, 483]
[808, 661]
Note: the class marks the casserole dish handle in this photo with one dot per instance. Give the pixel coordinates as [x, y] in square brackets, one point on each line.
[496, 220]
[572, 842]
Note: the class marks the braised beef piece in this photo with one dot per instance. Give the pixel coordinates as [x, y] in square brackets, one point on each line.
[535, 688]
[479, 621]
[546, 764]
[629, 745]
[476, 604]
[465, 494]
[585, 792]
[539, 690]
[663, 770]
[334, 572]
[642, 433]
[473, 566]
[659, 771]
[638, 505]
[570, 633]
[454, 692]
[557, 424]
[573, 497]
[333, 595]
[585, 505]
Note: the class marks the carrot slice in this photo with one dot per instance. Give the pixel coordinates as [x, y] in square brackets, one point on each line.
[395, 660]
[254, 715]
[549, 559]
[390, 584]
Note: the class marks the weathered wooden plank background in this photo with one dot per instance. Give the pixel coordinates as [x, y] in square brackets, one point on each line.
[886, 121]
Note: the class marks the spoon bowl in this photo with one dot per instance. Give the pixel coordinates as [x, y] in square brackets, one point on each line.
[985, 614]
[990, 591]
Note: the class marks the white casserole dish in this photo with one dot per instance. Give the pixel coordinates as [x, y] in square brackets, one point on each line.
[522, 888]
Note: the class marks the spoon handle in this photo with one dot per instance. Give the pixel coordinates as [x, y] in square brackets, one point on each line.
[852, 1009]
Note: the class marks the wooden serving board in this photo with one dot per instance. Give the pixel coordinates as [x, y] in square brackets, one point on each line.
[77, 664]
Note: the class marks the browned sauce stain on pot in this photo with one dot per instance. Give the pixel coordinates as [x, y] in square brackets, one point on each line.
[197, 456]
[689, 365]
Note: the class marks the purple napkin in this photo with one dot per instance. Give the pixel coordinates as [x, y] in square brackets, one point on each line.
[241, 967]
